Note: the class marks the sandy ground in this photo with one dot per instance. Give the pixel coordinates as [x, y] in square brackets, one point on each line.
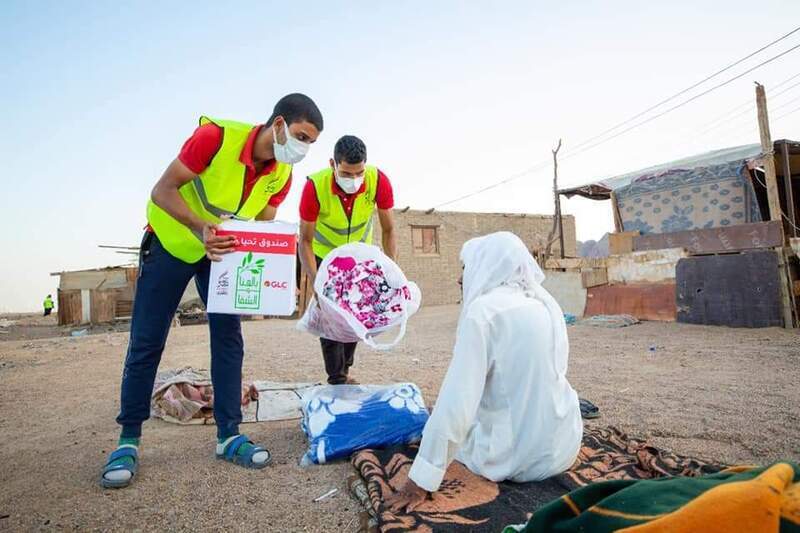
[721, 394]
[31, 326]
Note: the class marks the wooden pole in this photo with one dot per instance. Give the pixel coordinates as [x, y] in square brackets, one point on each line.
[558, 200]
[617, 217]
[769, 156]
[773, 196]
[787, 183]
[557, 222]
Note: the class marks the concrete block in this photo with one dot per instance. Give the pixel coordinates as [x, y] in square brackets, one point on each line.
[568, 290]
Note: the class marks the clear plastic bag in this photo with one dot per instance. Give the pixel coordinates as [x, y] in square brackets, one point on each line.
[342, 419]
[361, 293]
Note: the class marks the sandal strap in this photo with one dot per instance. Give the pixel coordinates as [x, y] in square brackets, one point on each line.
[126, 451]
[233, 446]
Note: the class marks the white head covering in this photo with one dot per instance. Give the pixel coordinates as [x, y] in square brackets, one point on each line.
[494, 260]
[502, 259]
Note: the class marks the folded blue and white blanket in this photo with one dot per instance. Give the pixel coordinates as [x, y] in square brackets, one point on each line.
[341, 419]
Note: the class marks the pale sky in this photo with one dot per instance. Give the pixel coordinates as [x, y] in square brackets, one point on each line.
[450, 96]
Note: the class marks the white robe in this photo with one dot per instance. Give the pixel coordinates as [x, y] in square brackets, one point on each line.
[505, 408]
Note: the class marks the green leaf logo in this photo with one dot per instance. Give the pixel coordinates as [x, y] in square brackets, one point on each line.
[248, 259]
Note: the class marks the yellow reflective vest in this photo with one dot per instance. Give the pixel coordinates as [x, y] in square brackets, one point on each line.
[216, 192]
[333, 228]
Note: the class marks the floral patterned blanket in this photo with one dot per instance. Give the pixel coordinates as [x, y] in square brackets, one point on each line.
[185, 396]
[361, 289]
[685, 199]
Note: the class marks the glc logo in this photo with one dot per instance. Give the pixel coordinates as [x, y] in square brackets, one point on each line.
[279, 285]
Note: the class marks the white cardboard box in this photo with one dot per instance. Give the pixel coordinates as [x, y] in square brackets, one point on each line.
[259, 277]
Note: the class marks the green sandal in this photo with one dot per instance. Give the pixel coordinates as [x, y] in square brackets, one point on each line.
[126, 450]
[246, 460]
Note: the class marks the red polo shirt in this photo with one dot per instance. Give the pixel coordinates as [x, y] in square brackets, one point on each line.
[203, 145]
[309, 203]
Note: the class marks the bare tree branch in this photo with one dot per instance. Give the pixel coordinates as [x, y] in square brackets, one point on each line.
[551, 239]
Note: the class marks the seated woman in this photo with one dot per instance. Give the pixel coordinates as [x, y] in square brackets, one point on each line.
[505, 409]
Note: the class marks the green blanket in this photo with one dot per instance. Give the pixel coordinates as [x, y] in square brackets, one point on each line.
[736, 499]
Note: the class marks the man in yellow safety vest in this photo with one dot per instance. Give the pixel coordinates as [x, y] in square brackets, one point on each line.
[226, 169]
[337, 207]
[48, 305]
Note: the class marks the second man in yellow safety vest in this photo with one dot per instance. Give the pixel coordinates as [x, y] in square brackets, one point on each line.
[338, 207]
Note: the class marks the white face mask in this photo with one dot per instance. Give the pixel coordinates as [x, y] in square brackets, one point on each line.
[292, 151]
[348, 184]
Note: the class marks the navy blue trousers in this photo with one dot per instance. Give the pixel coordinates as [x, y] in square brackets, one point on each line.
[162, 281]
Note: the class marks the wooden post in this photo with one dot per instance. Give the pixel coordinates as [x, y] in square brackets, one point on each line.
[786, 253]
[617, 217]
[557, 222]
[773, 196]
[558, 200]
[769, 157]
[787, 183]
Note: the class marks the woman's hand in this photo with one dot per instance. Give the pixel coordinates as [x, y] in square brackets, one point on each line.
[408, 497]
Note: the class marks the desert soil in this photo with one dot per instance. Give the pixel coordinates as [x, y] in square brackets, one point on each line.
[716, 393]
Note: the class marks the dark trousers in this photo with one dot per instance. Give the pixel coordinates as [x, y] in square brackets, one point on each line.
[47, 311]
[161, 284]
[338, 356]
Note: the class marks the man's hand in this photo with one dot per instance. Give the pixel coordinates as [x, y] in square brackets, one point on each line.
[408, 497]
[217, 246]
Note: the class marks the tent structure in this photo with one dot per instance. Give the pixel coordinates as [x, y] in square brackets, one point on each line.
[601, 189]
[737, 264]
[714, 189]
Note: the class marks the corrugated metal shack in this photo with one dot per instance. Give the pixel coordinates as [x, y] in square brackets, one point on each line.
[696, 241]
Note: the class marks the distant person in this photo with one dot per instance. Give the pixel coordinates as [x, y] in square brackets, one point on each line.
[337, 207]
[48, 305]
[225, 168]
[505, 409]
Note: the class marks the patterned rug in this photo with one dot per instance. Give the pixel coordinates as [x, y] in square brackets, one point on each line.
[608, 453]
[467, 502]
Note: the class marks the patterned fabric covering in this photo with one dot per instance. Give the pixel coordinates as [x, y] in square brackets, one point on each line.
[361, 289]
[342, 419]
[467, 502]
[607, 454]
[680, 199]
[186, 396]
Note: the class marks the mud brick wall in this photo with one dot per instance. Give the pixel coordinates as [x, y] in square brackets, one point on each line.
[437, 273]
